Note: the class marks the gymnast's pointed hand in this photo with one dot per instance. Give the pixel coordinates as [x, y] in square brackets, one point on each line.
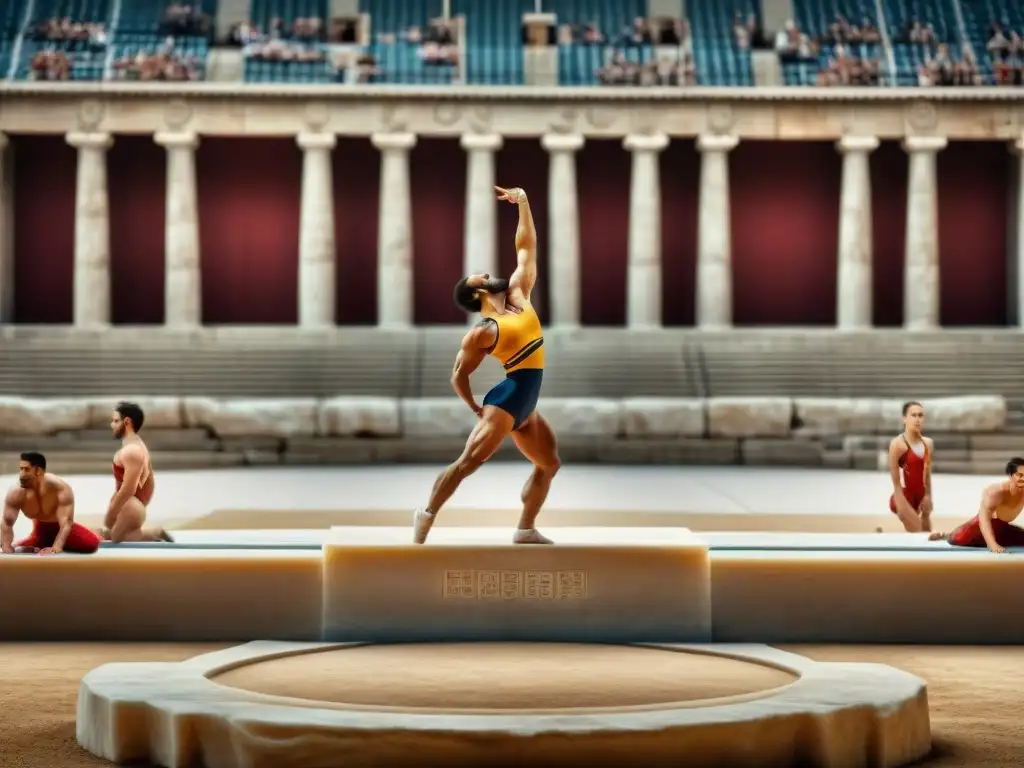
[514, 195]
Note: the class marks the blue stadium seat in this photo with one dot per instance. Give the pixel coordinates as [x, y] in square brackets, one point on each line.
[718, 59]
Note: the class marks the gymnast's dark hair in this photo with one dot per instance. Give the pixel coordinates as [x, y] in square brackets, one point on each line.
[910, 404]
[1014, 464]
[35, 459]
[131, 411]
[466, 297]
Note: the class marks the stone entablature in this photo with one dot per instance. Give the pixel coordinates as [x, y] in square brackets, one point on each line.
[218, 109]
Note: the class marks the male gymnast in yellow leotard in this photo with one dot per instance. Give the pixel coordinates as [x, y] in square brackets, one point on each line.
[509, 330]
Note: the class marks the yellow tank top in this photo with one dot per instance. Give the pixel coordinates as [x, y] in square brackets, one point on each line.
[520, 342]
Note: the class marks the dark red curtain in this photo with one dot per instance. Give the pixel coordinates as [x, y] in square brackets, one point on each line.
[136, 177]
[524, 163]
[356, 206]
[45, 168]
[680, 197]
[438, 182]
[603, 170]
[975, 179]
[889, 170]
[785, 232]
[249, 197]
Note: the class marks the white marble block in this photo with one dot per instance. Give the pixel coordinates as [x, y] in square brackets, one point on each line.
[472, 584]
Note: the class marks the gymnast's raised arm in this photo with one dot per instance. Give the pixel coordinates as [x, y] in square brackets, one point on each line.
[525, 276]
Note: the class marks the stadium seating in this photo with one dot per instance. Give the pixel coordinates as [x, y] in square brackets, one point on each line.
[978, 17]
[493, 47]
[719, 60]
[941, 14]
[813, 17]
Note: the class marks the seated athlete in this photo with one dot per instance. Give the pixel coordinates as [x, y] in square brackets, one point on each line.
[133, 481]
[1001, 503]
[49, 503]
[910, 469]
[510, 331]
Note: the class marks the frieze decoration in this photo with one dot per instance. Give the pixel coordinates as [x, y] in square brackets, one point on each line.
[317, 116]
[720, 119]
[447, 115]
[480, 118]
[90, 115]
[600, 118]
[177, 114]
[393, 119]
[806, 114]
[923, 117]
[563, 120]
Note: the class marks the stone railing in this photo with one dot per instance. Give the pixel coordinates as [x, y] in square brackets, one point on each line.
[277, 110]
[971, 433]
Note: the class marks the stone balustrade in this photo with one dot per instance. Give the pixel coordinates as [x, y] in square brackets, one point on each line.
[627, 418]
[972, 433]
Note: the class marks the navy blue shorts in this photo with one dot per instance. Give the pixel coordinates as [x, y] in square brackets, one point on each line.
[517, 395]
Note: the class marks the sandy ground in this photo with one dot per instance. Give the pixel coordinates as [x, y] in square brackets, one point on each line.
[456, 676]
[974, 693]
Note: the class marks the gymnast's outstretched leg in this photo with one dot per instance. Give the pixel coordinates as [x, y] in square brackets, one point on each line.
[484, 440]
[537, 442]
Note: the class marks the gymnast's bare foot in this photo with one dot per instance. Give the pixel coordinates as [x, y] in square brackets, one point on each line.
[938, 537]
[530, 536]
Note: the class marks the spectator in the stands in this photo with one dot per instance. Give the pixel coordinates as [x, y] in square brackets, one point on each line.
[916, 31]
[184, 20]
[50, 65]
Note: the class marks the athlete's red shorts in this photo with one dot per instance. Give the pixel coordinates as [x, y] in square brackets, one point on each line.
[914, 499]
[81, 540]
[969, 534]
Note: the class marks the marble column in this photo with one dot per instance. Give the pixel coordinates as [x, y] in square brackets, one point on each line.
[564, 228]
[6, 232]
[183, 295]
[316, 231]
[643, 277]
[394, 238]
[714, 235]
[1017, 267]
[853, 294]
[921, 256]
[480, 248]
[92, 230]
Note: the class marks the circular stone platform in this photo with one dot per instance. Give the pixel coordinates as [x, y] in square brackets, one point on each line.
[507, 676]
[503, 704]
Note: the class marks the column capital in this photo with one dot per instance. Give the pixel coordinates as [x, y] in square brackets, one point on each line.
[857, 144]
[81, 140]
[708, 142]
[176, 140]
[562, 142]
[645, 143]
[925, 143]
[485, 142]
[404, 141]
[316, 140]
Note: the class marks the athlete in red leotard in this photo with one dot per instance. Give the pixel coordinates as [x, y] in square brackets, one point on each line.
[49, 503]
[910, 468]
[133, 481]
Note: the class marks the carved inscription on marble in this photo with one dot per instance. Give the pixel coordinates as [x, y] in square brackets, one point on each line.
[514, 585]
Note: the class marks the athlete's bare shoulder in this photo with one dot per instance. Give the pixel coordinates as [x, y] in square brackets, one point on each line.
[15, 496]
[993, 494]
[898, 446]
[482, 335]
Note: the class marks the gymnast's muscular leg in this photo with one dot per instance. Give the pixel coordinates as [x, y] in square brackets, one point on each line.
[486, 437]
[537, 442]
